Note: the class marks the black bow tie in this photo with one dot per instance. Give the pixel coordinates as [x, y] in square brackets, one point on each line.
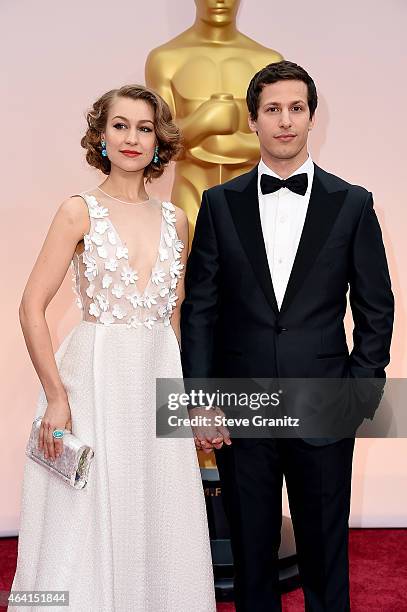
[297, 183]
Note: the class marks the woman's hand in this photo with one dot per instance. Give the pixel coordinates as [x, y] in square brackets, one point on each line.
[57, 416]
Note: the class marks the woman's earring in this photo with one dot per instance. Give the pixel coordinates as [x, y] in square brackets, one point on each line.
[156, 159]
[104, 152]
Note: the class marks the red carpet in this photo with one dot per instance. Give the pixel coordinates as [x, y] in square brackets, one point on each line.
[378, 572]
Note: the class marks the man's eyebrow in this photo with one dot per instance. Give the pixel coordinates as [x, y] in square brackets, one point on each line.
[290, 103]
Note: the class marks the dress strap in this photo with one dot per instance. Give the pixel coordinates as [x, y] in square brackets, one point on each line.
[96, 210]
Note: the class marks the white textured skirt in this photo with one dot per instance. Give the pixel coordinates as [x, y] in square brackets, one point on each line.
[136, 538]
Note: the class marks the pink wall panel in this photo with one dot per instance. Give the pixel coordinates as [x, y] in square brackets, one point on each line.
[58, 57]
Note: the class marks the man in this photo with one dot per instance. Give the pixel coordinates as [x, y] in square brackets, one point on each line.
[273, 254]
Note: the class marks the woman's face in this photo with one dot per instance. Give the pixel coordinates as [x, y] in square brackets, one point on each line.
[129, 134]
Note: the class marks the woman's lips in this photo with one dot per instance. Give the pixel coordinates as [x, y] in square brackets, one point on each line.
[130, 153]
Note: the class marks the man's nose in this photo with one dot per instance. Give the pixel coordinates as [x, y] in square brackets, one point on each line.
[285, 118]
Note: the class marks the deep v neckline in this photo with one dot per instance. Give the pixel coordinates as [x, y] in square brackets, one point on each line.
[123, 243]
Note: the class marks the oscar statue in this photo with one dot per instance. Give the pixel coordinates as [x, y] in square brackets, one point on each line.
[203, 74]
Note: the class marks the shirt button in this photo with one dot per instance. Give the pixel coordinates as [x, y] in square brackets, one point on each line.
[280, 261]
[282, 219]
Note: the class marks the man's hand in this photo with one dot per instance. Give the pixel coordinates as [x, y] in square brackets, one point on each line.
[210, 436]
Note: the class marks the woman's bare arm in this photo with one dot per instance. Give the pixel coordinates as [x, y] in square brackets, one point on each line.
[67, 229]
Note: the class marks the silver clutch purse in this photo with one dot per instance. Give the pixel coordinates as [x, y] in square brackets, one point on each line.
[74, 462]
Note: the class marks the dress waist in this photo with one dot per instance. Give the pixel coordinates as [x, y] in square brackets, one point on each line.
[157, 324]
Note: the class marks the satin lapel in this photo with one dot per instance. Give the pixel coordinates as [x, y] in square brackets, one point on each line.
[323, 208]
[244, 208]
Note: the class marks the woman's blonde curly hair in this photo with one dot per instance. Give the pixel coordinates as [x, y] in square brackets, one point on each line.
[168, 135]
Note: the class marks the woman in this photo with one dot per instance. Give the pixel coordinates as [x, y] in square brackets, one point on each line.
[136, 537]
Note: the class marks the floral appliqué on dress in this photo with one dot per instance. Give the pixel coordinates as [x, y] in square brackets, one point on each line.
[106, 285]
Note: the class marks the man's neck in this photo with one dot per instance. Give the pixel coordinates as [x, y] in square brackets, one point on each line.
[215, 34]
[284, 167]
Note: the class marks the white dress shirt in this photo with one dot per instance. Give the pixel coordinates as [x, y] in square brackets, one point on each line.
[282, 216]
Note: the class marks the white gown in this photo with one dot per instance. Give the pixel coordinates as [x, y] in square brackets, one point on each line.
[136, 538]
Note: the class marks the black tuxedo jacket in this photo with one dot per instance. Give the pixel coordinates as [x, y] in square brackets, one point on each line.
[231, 325]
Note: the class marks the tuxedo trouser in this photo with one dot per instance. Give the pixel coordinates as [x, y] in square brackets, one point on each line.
[318, 480]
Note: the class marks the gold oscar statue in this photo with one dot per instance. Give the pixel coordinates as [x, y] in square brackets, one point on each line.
[203, 75]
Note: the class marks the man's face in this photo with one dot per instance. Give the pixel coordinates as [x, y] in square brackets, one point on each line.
[217, 12]
[283, 121]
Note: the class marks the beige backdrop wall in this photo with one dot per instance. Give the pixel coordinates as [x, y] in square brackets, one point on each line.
[58, 56]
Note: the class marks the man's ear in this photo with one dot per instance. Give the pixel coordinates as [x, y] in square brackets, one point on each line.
[311, 123]
[252, 124]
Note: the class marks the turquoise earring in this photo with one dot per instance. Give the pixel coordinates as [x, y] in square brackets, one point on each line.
[104, 152]
[156, 159]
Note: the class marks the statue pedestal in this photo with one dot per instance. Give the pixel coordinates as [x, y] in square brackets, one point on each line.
[222, 557]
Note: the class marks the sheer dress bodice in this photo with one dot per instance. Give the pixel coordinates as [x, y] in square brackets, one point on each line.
[108, 271]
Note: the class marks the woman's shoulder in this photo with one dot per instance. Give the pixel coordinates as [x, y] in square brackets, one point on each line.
[180, 221]
[73, 206]
[73, 210]
[180, 213]
[81, 202]
[172, 213]
[176, 210]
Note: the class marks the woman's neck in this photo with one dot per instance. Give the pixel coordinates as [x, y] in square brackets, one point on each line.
[128, 186]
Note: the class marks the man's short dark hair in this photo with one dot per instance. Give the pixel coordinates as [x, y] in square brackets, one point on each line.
[279, 71]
